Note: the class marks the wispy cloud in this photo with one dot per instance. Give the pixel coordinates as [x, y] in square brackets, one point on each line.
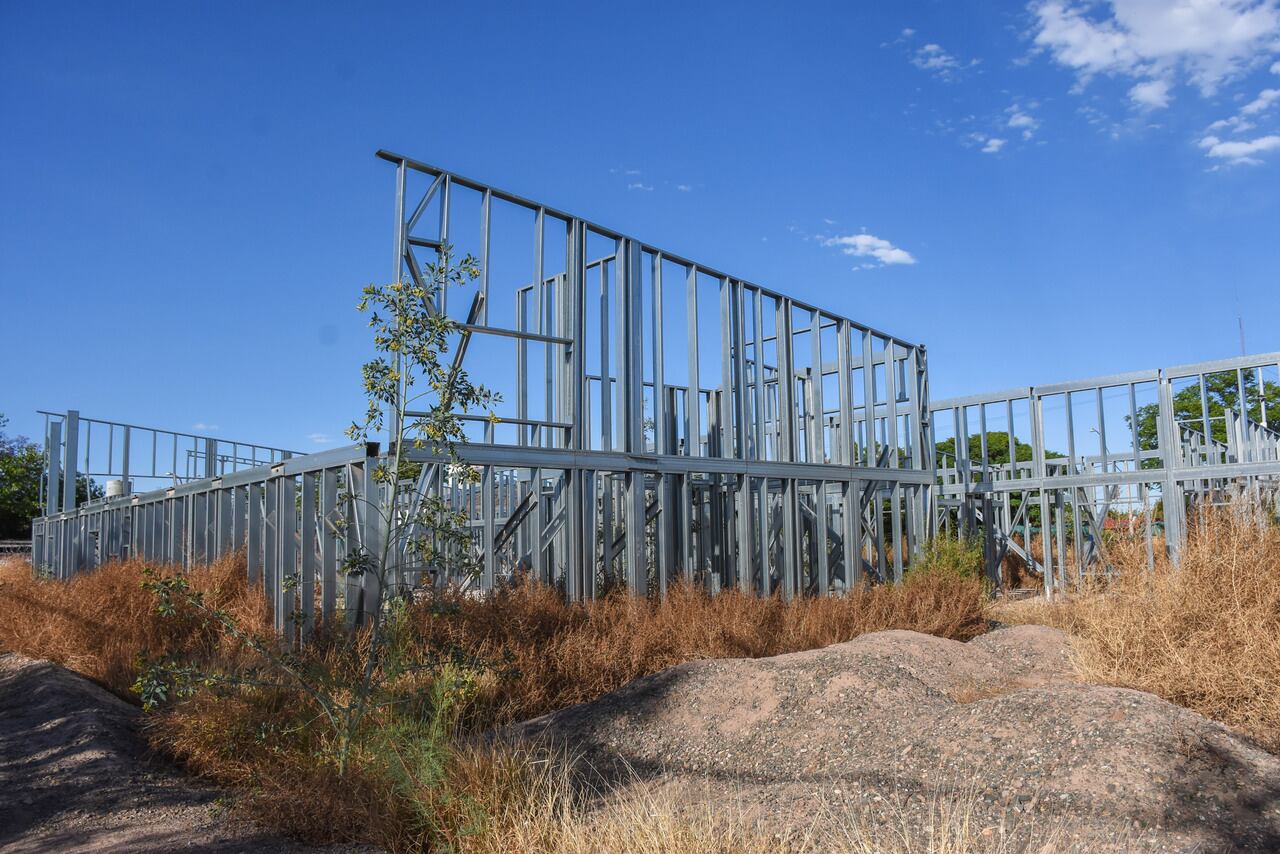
[1203, 42]
[319, 438]
[634, 181]
[1262, 103]
[1239, 152]
[204, 428]
[931, 56]
[985, 143]
[869, 246]
[1233, 152]
[1022, 121]
[937, 61]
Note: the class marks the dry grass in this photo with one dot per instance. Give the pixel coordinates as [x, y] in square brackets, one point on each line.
[557, 654]
[504, 799]
[535, 803]
[1205, 635]
[100, 622]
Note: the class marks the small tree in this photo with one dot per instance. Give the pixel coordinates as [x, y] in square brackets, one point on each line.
[425, 397]
[419, 398]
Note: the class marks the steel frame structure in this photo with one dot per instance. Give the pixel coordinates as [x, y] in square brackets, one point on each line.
[1173, 453]
[757, 474]
[669, 421]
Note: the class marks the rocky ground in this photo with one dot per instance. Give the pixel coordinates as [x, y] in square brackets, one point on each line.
[876, 732]
[75, 777]
[889, 725]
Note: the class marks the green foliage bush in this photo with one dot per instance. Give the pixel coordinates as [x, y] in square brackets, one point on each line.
[946, 555]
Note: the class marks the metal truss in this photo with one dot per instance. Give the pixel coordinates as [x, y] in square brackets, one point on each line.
[1049, 475]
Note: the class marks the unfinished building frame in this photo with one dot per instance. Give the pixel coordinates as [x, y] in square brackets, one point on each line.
[661, 421]
[1046, 474]
[665, 421]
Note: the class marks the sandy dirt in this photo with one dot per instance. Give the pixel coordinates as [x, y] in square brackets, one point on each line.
[75, 777]
[907, 718]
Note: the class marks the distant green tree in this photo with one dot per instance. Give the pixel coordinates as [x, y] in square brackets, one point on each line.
[21, 466]
[997, 450]
[1222, 393]
[21, 472]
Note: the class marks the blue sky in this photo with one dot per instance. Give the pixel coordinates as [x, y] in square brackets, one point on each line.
[189, 200]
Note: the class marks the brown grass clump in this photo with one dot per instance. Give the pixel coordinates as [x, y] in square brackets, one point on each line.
[554, 654]
[1205, 635]
[99, 622]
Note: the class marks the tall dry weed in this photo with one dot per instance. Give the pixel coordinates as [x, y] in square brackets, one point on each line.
[99, 622]
[1204, 634]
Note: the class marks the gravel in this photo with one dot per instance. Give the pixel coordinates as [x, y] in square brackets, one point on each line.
[893, 723]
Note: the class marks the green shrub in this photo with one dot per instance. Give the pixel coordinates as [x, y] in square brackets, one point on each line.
[946, 555]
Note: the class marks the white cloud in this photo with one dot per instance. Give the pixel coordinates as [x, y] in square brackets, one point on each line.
[1152, 41]
[1235, 124]
[319, 438]
[1151, 94]
[1265, 99]
[933, 56]
[204, 428]
[1275, 68]
[907, 32]
[986, 143]
[1240, 151]
[1020, 119]
[1243, 120]
[684, 188]
[869, 246]
[636, 185]
[934, 59]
